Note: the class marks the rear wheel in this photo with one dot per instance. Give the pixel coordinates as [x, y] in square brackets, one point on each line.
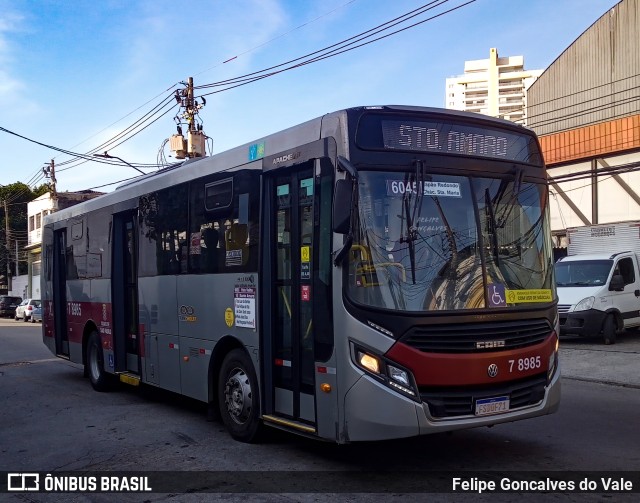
[609, 329]
[238, 397]
[94, 364]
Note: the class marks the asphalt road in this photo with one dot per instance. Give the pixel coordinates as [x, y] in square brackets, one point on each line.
[52, 420]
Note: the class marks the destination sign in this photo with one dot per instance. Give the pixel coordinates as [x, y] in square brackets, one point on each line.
[454, 139]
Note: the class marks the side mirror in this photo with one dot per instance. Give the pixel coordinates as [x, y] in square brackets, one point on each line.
[617, 283]
[342, 204]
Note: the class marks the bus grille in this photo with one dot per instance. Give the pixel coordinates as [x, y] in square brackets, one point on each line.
[477, 337]
[564, 308]
[454, 402]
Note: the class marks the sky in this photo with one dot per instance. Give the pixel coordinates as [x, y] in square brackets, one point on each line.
[74, 74]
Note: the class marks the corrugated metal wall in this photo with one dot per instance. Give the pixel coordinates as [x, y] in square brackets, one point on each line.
[604, 238]
[596, 79]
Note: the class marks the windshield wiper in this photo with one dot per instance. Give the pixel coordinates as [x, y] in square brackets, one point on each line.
[509, 205]
[412, 215]
[492, 226]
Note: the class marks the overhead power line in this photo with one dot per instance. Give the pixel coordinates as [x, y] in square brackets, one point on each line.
[165, 106]
[330, 51]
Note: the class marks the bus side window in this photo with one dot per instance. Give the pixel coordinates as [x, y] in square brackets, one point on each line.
[163, 231]
[223, 223]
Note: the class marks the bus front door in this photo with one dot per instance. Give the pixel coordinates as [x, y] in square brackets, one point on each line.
[289, 345]
[124, 295]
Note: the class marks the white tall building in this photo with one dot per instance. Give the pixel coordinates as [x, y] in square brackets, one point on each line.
[495, 86]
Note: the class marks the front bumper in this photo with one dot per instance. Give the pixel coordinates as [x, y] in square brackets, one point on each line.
[391, 415]
[583, 323]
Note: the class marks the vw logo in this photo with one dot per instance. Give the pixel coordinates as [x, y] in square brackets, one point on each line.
[492, 370]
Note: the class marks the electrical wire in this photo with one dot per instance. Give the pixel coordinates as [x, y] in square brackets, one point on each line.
[159, 110]
[335, 49]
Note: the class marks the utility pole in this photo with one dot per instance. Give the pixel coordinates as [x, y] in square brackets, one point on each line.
[190, 112]
[194, 145]
[6, 233]
[50, 172]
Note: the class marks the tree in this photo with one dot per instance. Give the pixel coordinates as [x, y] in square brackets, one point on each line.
[14, 198]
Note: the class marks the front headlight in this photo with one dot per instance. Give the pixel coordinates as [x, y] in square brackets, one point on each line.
[387, 372]
[585, 304]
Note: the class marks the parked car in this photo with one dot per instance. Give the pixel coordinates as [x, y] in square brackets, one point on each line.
[8, 304]
[24, 310]
[36, 314]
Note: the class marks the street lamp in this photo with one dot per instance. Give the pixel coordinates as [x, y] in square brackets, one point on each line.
[107, 156]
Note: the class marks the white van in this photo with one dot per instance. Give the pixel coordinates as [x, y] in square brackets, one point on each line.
[598, 294]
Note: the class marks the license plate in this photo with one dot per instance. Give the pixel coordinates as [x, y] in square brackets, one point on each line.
[495, 405]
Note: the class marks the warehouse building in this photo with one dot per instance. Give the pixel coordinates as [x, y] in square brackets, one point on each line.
[586, 109]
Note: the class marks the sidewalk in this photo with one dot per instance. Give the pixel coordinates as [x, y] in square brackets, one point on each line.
[591, 360]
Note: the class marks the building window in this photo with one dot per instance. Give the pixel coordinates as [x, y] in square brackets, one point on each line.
[31, 223]
[38, 220]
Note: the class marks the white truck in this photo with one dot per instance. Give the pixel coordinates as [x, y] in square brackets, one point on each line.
[599, 281]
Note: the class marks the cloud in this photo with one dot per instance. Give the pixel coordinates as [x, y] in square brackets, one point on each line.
[9, 85]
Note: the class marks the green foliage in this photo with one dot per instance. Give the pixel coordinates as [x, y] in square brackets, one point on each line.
[16, 195]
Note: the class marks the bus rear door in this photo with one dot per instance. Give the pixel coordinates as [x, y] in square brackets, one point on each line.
[60, 292]
[124, 294]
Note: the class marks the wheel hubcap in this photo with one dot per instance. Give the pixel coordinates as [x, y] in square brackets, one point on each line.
[237, 396]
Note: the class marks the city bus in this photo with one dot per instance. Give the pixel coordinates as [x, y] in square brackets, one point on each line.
[376, 273]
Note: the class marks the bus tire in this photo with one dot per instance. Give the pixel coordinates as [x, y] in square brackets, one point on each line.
[94, 364]
[609, 329]
[238, 397]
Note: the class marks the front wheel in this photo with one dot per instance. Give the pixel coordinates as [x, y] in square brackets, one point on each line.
[94, 364]
[238, 397]
[609, 329]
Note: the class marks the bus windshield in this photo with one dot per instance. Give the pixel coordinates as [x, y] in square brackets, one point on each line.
[426, 242]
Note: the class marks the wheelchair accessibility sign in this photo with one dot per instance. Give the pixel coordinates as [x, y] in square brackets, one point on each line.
[497, 295]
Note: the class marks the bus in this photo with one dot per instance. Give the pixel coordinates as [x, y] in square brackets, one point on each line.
[379, 272]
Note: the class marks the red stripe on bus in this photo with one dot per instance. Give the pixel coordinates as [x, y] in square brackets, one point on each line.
[438, 369]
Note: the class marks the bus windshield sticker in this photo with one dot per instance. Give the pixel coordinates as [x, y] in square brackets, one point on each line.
[521, 296]
[435, 189]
